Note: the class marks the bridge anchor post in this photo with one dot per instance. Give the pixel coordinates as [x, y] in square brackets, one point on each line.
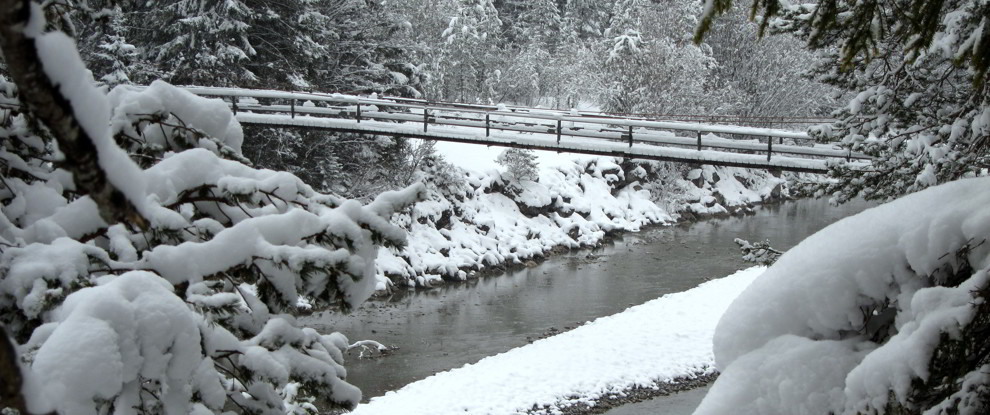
[426, 119]
[292, 108]
[699, 140]
[488, 128]
[233, 102]
[769, 147]
[558, 131]
[630, 136]
[359, 112]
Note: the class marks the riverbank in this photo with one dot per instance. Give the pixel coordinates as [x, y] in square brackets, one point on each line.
[638, 394]
[644, 347]
[472, 224]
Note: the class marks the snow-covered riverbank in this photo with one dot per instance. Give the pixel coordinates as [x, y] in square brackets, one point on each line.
[473, 222]
[644, 346]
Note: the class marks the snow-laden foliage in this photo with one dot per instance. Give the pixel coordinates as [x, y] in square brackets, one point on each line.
[766, 77]
[918, 72]
[586, 19]
[194, 313]
[471, 222]
[882, 312]
[329, 45]
[466, 73]
[520, 164]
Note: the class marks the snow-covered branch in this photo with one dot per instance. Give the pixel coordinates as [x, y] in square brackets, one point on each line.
[56, 87]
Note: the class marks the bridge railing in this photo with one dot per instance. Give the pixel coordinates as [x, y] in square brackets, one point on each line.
[525, 120]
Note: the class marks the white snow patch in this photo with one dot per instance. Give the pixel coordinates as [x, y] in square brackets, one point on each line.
[660, 340]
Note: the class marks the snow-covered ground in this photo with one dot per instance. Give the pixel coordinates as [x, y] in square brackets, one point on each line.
[661, 340]
[482, 158]
[473, 221]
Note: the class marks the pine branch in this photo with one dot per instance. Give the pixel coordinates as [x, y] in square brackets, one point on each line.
[48, 105]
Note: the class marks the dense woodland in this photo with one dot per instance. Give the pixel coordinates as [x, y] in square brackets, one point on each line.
[630, 56]
[220, 255]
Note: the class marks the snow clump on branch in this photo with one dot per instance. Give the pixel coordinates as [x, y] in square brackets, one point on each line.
[194, 314]
[882, 312]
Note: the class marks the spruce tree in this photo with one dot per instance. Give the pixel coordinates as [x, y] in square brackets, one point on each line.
[917, 71]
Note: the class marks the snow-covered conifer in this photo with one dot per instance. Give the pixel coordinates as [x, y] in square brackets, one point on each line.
[185, 302]
[586, 19]
[539, 22]
[918, 73]
[519, 164]
[646, 47]
[888, 310]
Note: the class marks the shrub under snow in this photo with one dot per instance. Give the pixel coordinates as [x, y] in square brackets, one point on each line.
[882, 312]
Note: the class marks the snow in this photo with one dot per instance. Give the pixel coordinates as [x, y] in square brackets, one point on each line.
[212, 116]
[109, 338]
[798, 340]
[64, 67]
[115, 332]
[655, 342]
[585, 145]
[461, 228]
[584, 132]
[480, 159]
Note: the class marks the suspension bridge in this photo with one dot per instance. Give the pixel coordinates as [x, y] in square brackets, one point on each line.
[627, 136]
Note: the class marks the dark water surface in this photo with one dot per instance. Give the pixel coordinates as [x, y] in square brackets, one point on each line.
[447, 327]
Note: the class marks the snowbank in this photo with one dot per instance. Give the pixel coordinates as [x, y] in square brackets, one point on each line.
[487, 221]
[645, 345]
[880, 310]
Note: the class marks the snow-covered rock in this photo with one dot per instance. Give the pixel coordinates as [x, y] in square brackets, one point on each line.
[488, 220]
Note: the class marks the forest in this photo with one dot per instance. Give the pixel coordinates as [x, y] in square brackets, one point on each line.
[156, 256]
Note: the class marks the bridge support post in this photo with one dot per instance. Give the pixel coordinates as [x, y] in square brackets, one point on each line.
[233, 101]
[426, 119]
[292, 108]
[488, 127]
[699, 140]
[558, 131]
[359, 112]
[769, 147]
[630, 136]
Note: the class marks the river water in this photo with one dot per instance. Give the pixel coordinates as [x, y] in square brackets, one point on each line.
[444, 328]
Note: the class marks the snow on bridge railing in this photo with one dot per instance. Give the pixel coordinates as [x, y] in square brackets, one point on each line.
[526, 120]
[537, 113]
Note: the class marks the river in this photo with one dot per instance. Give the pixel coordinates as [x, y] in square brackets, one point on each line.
[446, 327]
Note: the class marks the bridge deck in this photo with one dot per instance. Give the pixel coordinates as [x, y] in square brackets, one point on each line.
[543, 141]
[540, 129]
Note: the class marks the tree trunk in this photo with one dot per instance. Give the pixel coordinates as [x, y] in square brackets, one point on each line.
[47, 104]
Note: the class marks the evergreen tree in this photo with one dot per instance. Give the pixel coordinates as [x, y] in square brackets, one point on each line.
[539, 23]
[586, 19]
[766, 78]
[520, 164]
[645, 48]
[150, 270]
[199, 42]
[918, 70]
[469, 53]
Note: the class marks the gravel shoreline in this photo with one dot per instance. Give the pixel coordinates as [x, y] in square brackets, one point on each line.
[634, 395]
